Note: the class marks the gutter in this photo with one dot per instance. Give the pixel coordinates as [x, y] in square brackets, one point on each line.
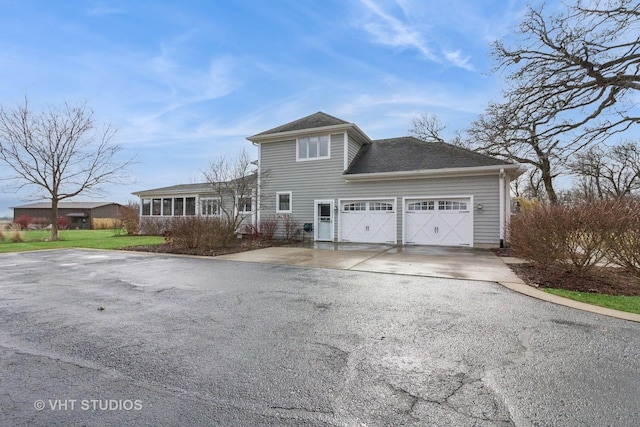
[435, 173]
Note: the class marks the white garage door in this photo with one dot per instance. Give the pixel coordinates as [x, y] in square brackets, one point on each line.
[369, 221]
[444, 222]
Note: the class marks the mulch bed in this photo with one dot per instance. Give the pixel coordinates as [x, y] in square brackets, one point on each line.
[601, 280]
[170, 248]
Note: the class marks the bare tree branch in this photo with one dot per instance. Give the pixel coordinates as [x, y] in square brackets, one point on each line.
[55, 153]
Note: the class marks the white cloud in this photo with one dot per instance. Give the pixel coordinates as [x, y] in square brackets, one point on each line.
[390, 31]
[457, 59]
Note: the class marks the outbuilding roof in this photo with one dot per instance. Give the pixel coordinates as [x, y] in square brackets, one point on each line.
[411, 154]
[66, 205]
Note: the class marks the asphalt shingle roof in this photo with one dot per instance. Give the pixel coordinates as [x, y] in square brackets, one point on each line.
[408, 154]
[312, 121]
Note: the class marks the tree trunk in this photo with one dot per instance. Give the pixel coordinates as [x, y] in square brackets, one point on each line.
[54, 219]
[547, 179]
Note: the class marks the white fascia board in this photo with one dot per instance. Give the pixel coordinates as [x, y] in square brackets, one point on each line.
[280, 136]
[434, 173]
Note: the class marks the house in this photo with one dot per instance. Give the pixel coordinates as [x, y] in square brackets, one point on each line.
[327, 172]
[80, 214]
[326, 175]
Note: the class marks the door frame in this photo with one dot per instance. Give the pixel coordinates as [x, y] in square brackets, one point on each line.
[316, 203]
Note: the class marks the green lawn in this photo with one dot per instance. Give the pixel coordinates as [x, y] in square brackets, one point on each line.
[96, 239]
[622, 303]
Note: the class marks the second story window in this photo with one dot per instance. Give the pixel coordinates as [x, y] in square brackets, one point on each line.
[313, 147]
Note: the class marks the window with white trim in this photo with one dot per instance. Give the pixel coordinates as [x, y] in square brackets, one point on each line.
[426, 205]
[244, 204]
[209, 206]
[313, 147]
[146, 207]
[283, 202]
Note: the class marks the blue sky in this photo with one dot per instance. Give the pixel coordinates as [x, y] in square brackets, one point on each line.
[186, 82]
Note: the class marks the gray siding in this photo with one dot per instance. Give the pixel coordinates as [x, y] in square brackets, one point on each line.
[352, 150]
[322, 179]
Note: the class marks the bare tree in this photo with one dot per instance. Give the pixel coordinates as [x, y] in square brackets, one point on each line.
[58, 153]
[611, 172]
[579, 65]
[428, 127]
[511, 133]
[233, 181]
[573, 76]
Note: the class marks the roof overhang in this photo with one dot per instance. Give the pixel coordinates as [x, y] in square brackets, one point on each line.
[293, 134]
[512, 170]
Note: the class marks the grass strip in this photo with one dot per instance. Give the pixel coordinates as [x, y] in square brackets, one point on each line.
[616, 302]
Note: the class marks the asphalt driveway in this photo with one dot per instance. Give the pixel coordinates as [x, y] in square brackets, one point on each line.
[114, 338]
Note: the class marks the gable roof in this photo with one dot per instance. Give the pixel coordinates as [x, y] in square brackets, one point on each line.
[411, 154]
[66, 205]
[314, 123]
[315, 120]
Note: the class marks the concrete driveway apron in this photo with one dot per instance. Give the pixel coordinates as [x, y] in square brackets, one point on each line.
[429, 261]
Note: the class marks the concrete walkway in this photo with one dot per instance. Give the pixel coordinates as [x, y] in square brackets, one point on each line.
[427, 261]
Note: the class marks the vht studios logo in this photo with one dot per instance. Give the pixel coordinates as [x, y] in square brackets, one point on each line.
[88, 405]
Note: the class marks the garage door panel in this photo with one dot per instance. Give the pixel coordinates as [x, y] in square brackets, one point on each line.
[371, 221]
[445, 222]
[418, 228]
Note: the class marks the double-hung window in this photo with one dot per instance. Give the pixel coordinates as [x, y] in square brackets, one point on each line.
[283, 202]
[244, 204]
[313, 147]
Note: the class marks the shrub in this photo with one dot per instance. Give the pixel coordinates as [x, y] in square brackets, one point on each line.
[251, 231]
[204, 233]
[1, 234]
[130, 217]
[153, 226]
[105, 223]
[623, 245]
[23, 221]
[16, 234]
[63, 223]
[573, 238]
[268, 227]
[39, 222]
[291, 227]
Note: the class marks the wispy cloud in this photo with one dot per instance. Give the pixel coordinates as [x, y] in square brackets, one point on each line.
[399, 32]
[391, 31]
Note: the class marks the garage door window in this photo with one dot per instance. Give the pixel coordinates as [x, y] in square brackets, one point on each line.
[380, 206]
[451, 205]
[355, 206]
[421, 206]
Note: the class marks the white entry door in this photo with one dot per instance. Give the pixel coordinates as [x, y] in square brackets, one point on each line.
[368, 221]
[444, 222]
[323, 219]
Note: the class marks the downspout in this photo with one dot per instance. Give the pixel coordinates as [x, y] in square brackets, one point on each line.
[501, 191]
[258, 187]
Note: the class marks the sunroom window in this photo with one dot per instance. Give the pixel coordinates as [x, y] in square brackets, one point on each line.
[209, 207]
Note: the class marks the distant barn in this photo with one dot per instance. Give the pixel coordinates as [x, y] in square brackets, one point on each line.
[80, 215]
